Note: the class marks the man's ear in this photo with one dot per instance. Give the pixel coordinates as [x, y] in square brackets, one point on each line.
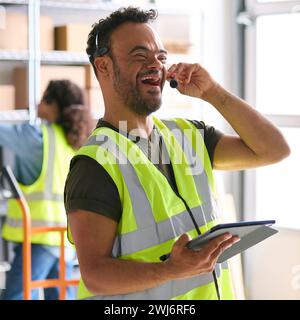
[102, 66]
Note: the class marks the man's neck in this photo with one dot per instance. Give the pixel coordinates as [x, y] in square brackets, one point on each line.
[128, 121]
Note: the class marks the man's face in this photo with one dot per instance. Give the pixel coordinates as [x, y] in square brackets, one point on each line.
[139, 70]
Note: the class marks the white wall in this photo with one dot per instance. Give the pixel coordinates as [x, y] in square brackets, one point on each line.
[273, 267]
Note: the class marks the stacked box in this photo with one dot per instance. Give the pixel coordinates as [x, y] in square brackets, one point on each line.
[75, 74]
[7, 97]
[14, 35]
[72, 37]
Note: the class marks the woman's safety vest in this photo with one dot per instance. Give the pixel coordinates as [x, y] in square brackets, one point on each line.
[45, 195]
[153, 214]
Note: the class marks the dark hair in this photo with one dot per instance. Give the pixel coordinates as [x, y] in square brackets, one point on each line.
[74, 116]
[99, 38]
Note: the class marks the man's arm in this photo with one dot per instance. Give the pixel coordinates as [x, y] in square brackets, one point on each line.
[259, 142]
[94, 236]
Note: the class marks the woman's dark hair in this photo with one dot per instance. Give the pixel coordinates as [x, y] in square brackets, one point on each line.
[74, 116]
[99, 38]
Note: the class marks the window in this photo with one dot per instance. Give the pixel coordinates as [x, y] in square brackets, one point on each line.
[278, 65]
[277, 186]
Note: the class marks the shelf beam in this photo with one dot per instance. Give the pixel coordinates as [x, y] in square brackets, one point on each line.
[14, 115]
[96, 5]
[3, 2]
[64, 58]
[14, 55]
[47, 57]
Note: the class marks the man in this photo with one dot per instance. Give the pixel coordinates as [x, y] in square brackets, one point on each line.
[124, 209]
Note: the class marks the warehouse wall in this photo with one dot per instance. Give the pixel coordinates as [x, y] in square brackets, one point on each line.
[272, 269]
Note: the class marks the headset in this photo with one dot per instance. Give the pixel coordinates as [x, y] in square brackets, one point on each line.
[174, 83]
[100, 51]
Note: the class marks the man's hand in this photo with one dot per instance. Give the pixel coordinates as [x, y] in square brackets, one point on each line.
[185, 263]
[193, 80]
[258, 143]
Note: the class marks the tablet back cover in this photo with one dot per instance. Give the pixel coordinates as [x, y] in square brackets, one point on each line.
[247, 241]
[249, 236]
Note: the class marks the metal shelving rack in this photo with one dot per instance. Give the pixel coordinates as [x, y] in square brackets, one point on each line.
[35, 57]
[24, 55]
[30, 56]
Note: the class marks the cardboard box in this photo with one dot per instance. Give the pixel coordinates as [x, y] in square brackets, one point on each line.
[72, 37]
[15, 33]
[94, 100]
[14, 36]
[75, 74]
[90, 77]
[7, 97]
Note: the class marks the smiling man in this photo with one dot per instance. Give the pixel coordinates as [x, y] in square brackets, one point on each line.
[128, 198]
[142, 94]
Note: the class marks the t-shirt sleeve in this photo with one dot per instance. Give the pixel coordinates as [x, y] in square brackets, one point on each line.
[211, 137]
[89, 187]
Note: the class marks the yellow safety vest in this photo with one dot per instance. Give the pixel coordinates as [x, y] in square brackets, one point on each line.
[45, 195]
[153, 215]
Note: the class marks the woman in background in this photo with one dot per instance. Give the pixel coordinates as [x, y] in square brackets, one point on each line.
[42, 156]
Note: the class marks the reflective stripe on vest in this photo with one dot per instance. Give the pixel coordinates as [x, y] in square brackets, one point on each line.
[209, 206]
[153, 234]
[169, 289]
[48, 194]
[16, 223]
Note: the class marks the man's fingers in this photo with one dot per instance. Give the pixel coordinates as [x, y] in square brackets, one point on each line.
[182, 241]
[215, 243]
[181, 71]
[175, 71]
[223, 246]
[171, 71]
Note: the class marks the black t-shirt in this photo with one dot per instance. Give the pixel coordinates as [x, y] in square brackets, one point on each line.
[89, 186]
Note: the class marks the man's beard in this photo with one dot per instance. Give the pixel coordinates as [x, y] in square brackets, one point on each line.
[132, 96]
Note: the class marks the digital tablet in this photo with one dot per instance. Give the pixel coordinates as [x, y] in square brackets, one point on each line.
[249, 232]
